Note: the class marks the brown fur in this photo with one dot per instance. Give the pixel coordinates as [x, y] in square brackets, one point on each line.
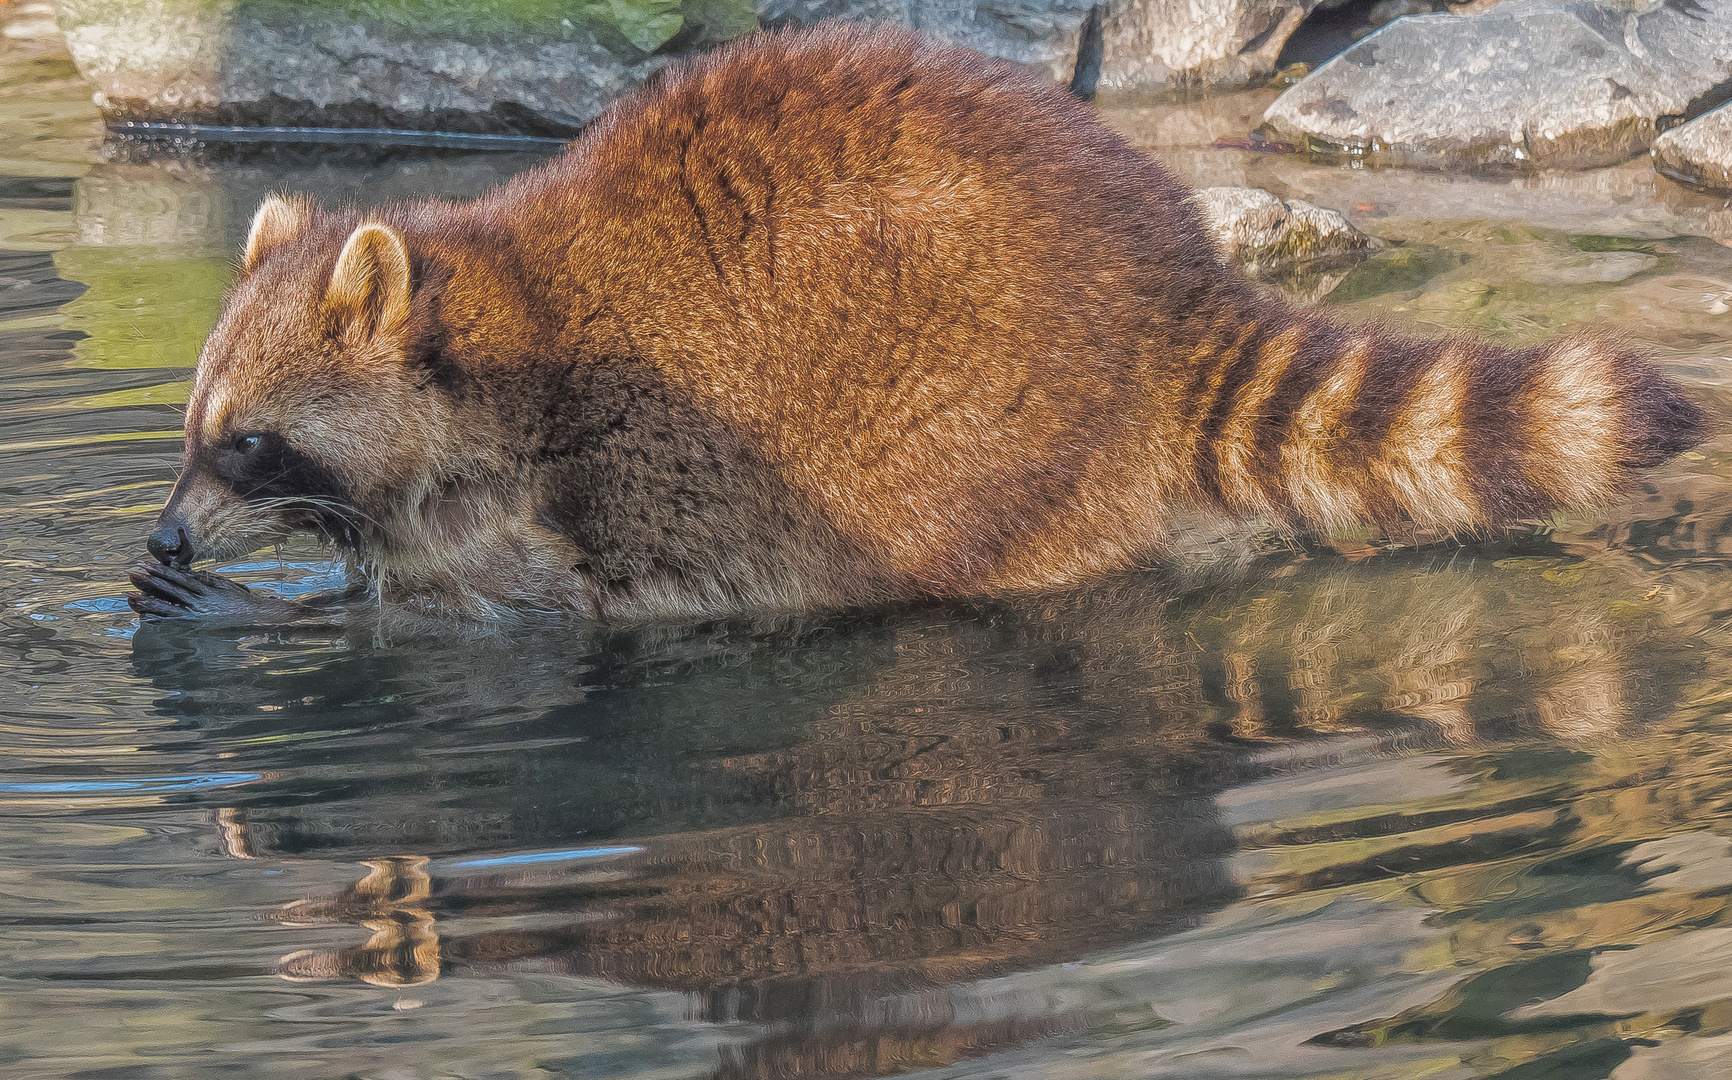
[840, 317]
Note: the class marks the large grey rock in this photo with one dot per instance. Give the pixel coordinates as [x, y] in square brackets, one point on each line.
[1699, 153]
[1539, 82]
[1142, 47]
[1045, 35]
[277, 64]
[219, 62]
[1149, 46]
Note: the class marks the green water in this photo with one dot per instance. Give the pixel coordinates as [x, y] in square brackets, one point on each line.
[1373, 811]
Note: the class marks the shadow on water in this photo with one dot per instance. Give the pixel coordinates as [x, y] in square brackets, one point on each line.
[819, 827]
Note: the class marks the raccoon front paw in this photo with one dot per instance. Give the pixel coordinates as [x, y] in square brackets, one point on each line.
[165, 592]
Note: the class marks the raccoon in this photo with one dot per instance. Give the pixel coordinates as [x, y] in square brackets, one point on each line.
[831, 318]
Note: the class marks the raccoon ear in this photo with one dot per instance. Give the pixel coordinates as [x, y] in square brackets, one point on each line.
[371, 288]
[277, 222]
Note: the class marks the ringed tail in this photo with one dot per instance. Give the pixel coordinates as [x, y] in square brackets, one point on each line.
[1301, 421]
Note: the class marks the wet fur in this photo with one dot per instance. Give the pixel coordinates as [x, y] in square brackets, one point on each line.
[841, 317]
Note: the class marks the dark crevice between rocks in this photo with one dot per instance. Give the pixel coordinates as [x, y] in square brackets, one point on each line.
[1325, 33]
[1332, 29]
[1702, 177]
[1705, 102]
[1087, 74]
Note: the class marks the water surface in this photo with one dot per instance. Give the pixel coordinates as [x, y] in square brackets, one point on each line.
[1372, 810]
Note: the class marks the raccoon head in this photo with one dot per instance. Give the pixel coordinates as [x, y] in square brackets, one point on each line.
[308, 405]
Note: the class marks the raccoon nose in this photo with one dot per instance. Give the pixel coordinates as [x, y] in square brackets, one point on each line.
[170, 545]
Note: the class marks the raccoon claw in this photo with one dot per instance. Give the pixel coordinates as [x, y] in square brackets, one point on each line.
[164, 592]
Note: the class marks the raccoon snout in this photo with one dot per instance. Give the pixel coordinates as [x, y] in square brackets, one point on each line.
[171, 546]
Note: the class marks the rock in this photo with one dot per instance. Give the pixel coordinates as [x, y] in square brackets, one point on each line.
[1045, 35]
[1303, 249]
[1260, 233]
[1699, 153]
[1150, 46]
[1540, 82]
[277, 64]
[1136, 48]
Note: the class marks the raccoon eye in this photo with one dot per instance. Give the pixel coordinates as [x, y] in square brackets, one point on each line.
[247, 444]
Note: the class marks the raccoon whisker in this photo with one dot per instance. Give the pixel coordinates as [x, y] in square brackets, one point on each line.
[273, 537]
[281, 503]
[348, 514]
[344, 510]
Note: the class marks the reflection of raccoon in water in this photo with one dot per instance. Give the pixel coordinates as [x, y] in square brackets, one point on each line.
[837, 823]
[831, 318]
